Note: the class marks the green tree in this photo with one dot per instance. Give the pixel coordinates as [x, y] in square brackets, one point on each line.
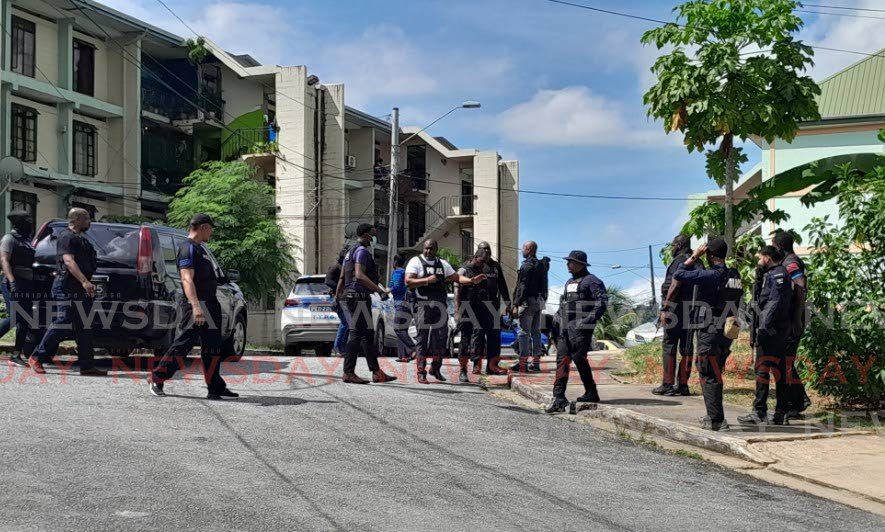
[735, 71]
[449, 256]
[844, 346]
[247, 236]
[619, 317]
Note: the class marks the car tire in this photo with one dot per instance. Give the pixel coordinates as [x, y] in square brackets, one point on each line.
[324, 350]
[292, 350]
[235, 344]
[380, 347]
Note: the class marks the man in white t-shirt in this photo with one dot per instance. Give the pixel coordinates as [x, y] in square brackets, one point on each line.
[426, 277]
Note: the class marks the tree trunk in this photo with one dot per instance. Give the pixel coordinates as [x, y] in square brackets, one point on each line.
[730, 177]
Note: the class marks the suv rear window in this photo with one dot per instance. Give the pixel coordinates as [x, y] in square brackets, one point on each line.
[311, 287]
[113, 244]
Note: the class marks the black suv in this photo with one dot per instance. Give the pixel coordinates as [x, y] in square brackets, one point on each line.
[138, 288]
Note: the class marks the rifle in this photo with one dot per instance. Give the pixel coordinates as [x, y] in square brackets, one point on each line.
[754, 307]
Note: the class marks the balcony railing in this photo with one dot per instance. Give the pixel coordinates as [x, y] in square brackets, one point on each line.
[245, 141]
[174, 107]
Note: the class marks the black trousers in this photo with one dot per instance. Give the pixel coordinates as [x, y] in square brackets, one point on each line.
[713, 351]
[771, 357]
[188, 335]
[678, 338]
[796, 395]
[358, 312]
[573, 347]
[482, 334]
[431, 321]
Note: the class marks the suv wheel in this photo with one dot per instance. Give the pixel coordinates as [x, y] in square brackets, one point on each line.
[380, 347]
[236, 344]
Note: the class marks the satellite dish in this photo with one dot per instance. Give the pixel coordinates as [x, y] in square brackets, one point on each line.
[11, 168]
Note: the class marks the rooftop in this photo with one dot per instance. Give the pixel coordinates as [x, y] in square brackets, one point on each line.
[856, 91]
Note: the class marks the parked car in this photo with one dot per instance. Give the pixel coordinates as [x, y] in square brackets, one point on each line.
[643, 334]
[510, 332]
[138, 287]
[309, 322]
[383, 313]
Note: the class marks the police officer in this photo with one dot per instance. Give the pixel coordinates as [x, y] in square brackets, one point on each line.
[675, 318]
[476, 315]
[496, 285]
[529, 299]
[720, 292]
[359, 280]
[73, 293]
[426, 276]
[17, 260]
[772, 332]
[199, 314]
[797, 398]
[584, 300]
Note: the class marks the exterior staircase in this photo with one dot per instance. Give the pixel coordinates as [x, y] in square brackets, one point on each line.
[441, 216]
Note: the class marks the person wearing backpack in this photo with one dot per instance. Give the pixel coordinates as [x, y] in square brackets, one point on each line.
[529, 299]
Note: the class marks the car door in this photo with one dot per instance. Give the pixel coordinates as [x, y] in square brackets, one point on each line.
[226, 294]
[172, 292]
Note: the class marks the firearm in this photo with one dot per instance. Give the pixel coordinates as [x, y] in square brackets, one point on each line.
[754, 309]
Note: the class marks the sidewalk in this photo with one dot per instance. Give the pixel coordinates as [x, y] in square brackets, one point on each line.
[845, 460]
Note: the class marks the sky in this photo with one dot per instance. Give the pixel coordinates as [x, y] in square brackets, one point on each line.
[561, 91]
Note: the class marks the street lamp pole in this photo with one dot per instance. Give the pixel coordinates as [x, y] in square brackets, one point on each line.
[394, 173]
[395, 145]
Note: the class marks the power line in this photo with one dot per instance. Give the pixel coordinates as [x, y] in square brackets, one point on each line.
[846, 8]
[851, 15]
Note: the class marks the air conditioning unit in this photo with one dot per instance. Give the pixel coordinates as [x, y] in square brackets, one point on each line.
[350, 162]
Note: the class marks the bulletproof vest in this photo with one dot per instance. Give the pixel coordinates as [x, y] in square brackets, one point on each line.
[22, 256]
[576, 300]
[437, 290]
[476, 293]
[491, 282]
[769, 293]
[728, 296]
[668, 278]
[349, 268]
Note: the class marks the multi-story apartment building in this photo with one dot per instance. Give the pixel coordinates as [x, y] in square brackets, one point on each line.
[110, 113]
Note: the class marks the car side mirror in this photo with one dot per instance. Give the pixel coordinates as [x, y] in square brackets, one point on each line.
[232, 275]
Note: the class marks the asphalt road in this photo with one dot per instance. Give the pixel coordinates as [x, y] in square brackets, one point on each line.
[302, 451]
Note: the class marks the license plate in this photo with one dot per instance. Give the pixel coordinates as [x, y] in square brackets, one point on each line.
[322, 309]
[99, 291]
[308, 351]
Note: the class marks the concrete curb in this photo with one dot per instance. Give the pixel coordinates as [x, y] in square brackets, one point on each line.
[648, 424]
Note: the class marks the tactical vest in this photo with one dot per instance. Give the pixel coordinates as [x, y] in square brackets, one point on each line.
[476, 293]
[681, 296]
[349, 269]
[437, 290]
[491, 283]
[576, 301]
[22, 256]
[728, 297]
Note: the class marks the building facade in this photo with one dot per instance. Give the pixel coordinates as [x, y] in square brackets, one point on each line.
[852, 109]
[110, 114]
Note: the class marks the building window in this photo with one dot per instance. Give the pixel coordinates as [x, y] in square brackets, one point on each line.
[24, 133]
[416, 157]
[87, 207]
[84, 68]
[24, 201]
[23, 46]
[84, 149]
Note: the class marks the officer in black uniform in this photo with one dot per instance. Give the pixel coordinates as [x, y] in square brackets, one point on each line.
[798, 399]
[772, 332]
[17, 262]
[199, 315]
[496, 285]
[583, 302]
[675, 317]
[359, 280]
[426, 277]
[476, 315]
[720, 293]
[73, 293]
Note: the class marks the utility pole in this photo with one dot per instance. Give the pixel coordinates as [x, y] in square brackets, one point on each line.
[651, 269]
[394, 174]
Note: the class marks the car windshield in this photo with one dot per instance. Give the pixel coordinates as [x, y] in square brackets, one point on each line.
[113, 244]
[311, 287]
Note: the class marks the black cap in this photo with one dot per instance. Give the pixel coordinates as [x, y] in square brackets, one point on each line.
[200, 219]
[717, 247]
[18, 213]
[363, 229]
[577, 256]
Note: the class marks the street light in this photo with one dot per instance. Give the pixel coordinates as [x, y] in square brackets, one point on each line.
[395, 144]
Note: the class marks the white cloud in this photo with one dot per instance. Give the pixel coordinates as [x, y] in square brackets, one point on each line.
[847, 33]
[575, 116]
[259, 30]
